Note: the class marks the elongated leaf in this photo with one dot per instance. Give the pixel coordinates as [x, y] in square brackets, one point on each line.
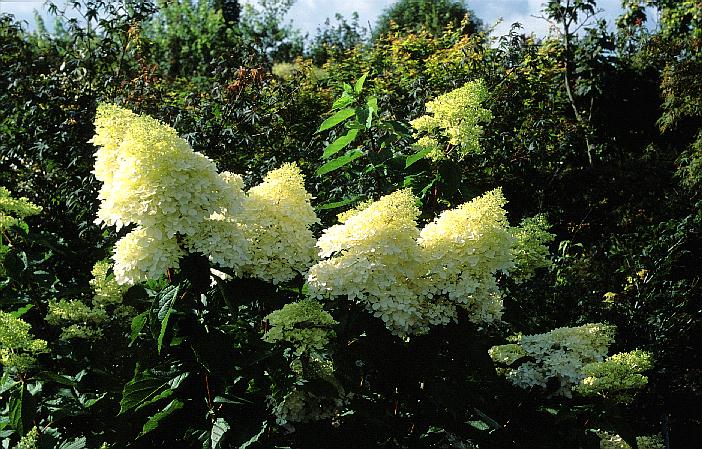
[340, 143]
[140, 392]
[155, 420]
[339, 162]
[219, 428]
[372, 103]
[336, 119]
[358, 87]
[21, 311]
[165, 306]
[417, 156]
[16, 412]
[337, 204]
[138, 323]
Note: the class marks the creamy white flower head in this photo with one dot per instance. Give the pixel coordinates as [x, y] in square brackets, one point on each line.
[277, 218]
[559, 354]
[144, 253]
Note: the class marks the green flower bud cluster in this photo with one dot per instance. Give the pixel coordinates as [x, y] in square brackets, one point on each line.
[617, 377]
[80, 320]
[614, 441]
[17, 347]
[531, 249]
[304, 325]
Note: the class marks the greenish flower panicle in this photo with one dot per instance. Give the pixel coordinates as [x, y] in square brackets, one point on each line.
[305, 325]
[454, 118]
[17, 347]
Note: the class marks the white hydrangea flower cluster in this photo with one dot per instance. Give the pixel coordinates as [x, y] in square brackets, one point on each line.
[454, 117]
[303, 406]
[414, 279]
[152, 178]
[559, 354]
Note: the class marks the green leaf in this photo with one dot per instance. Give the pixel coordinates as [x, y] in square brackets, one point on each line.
[78, 443]
[480, 425]
[358, 87]
[339, 162]
[343, 101]
[417, 156]
[155, 419]
[21, 409]
[139, 392]
[335, 119]
[21, 311]
[219, 428]
[255, 438]
[338, 204]
[165, 306]
[372, 103]
[138, 323]
[340, 143]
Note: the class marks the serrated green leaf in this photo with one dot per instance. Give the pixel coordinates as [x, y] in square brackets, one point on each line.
[417, 156]
[219, 428]
[140, 392]
[340, 143]
[78, 443]
[138, 323]
[480, 425]
[156, 419]
[339, 162]
[335, 119]
[165, 306]
[358, 87]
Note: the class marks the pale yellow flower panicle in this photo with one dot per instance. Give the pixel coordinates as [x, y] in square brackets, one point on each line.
[414, 279]
[277, 219]
[375, 261]
[179, 203]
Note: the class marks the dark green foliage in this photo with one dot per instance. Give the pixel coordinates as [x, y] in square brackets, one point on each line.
[189, 369]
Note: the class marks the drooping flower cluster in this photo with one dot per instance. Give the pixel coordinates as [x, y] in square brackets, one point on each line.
[14, 210]
[617, 377]
[531, 250]
[17, 347]
[179, 203]
[613, 441]
[454, 118]
[84, 320]
[559, 354]
[414, 279]
[300, 405]
[305, 325]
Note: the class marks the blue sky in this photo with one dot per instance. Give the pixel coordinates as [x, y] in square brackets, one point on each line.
[310, 14]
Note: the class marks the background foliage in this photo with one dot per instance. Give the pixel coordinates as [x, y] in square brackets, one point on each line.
[600, 130]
